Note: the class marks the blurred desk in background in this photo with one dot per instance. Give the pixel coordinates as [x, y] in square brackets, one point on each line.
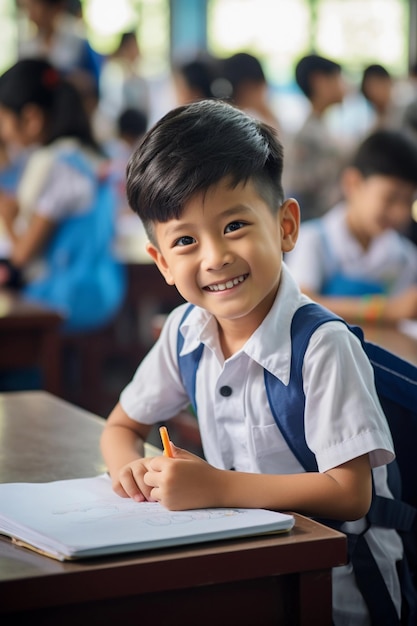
[101, 363]
[393, 339]
[149, 298]
[29, 339]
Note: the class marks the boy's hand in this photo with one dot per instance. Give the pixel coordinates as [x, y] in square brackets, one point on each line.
[129, 483]
[183, 482]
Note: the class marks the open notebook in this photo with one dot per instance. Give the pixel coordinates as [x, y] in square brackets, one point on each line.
[83, 517]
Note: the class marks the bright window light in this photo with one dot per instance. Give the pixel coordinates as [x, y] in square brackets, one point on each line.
[109, 18]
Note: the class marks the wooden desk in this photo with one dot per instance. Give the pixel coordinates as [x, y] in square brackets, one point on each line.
[148, 295]
[28, 338]
[394, 340]
[254, 582]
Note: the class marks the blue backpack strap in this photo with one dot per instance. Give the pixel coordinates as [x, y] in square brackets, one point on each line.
[287, 402]
[396, 384]
[188, 363]
[287, 406]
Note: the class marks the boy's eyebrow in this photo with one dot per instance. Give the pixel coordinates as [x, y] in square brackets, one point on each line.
[239, 209]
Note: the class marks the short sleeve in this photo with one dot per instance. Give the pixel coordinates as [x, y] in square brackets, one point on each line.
[156, 392]
[343, 415]
[66, 191]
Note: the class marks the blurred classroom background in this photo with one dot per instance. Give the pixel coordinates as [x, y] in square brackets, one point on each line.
[139, 49]
[355, 33]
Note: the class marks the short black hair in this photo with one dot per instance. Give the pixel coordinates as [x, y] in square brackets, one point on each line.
[192, 148]
[36, 82]
[132, 122]
[387, 153]
[241, 68]
[200, 74]
[310, 65]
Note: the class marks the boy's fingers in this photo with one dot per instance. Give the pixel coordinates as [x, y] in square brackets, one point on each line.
[180, 453]
[131, 486]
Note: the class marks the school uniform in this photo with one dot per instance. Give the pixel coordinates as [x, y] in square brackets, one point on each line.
[343, 418]
[76, 271]
[329, 260]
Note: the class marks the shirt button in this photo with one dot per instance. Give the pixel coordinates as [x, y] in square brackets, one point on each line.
[225, 391]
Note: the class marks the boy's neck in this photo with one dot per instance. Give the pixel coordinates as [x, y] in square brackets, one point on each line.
[234, 333]
[230, 345]
[354, 228]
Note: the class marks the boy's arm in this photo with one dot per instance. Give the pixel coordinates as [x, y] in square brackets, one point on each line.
[370, 309]
[187, 482]
[122, 443]
[27, 245]
[343, 492]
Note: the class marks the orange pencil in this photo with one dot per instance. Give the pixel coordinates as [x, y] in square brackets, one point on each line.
[165, 441]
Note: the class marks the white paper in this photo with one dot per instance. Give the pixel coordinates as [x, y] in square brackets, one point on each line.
[83, 517]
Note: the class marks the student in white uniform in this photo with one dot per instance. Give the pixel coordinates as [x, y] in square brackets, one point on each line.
[206, 183]
[60, 223]
[355, 260]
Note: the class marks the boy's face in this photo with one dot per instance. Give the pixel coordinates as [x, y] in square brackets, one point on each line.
[224, 253]
[378, 202]
[329, 88]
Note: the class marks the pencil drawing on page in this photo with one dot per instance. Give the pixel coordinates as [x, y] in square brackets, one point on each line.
[144, 512]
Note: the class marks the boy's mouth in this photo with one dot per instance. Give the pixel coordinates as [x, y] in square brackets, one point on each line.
[229, 284]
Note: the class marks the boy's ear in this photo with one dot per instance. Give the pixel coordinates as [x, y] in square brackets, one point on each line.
[160, 261]
[289, 222]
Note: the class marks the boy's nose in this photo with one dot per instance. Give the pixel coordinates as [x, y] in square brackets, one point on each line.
[216, 255]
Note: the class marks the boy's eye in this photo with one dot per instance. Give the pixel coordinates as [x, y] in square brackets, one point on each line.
[184, 241]
[230, 228]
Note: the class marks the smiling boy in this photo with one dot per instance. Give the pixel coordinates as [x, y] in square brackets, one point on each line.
[206, 182]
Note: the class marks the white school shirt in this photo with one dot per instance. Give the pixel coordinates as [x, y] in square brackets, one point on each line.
[343, 417]
[390, 259]
[53, 189]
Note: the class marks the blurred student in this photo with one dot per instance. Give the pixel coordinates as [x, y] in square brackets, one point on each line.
[379, 90]
[61, 221]
[131, 126]
[354, 260]
[249, 89]
[315, 157]
[387, 98]
[121, 84]
[196, 79]
[55, 33]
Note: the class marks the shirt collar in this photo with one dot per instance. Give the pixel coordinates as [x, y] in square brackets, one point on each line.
[275, 330]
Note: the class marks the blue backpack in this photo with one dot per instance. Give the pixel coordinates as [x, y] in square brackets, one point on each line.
[396, 385]
[83, 277]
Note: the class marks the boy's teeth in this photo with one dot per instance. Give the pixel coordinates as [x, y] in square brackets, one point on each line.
[228, 285]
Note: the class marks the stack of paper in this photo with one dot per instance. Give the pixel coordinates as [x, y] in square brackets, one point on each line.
[73, 519]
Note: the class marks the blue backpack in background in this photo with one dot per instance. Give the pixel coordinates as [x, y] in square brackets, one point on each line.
[396, 386]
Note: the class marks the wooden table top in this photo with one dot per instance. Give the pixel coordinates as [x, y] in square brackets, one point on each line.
[44, 438]
[16, 312]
